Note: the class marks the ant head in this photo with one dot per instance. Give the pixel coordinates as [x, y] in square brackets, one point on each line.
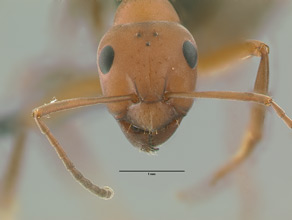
[148, 59]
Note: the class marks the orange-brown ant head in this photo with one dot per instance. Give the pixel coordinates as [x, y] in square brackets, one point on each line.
[147, 56]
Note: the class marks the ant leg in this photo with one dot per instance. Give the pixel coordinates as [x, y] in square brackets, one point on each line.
[10, 179]
[215, 62]
[38, 113]
[254, 130]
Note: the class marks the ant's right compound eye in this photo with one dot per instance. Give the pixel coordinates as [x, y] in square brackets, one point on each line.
[190, 54]
[106, 59]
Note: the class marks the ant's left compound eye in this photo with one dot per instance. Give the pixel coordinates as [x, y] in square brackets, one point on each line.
[106, 59]
[190, 54]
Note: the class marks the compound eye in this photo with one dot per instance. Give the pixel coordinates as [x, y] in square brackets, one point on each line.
[190, 54]
[106, 59]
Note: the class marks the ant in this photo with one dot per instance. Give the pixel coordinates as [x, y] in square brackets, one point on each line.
[147, 64]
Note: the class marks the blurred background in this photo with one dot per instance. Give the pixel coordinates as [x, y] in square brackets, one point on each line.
[48, 49]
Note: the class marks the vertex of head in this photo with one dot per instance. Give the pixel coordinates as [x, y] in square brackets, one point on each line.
[136, 11]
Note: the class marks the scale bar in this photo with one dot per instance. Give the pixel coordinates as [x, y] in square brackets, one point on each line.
[151, 171]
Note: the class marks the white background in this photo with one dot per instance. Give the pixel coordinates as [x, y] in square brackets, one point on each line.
[205, 140]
